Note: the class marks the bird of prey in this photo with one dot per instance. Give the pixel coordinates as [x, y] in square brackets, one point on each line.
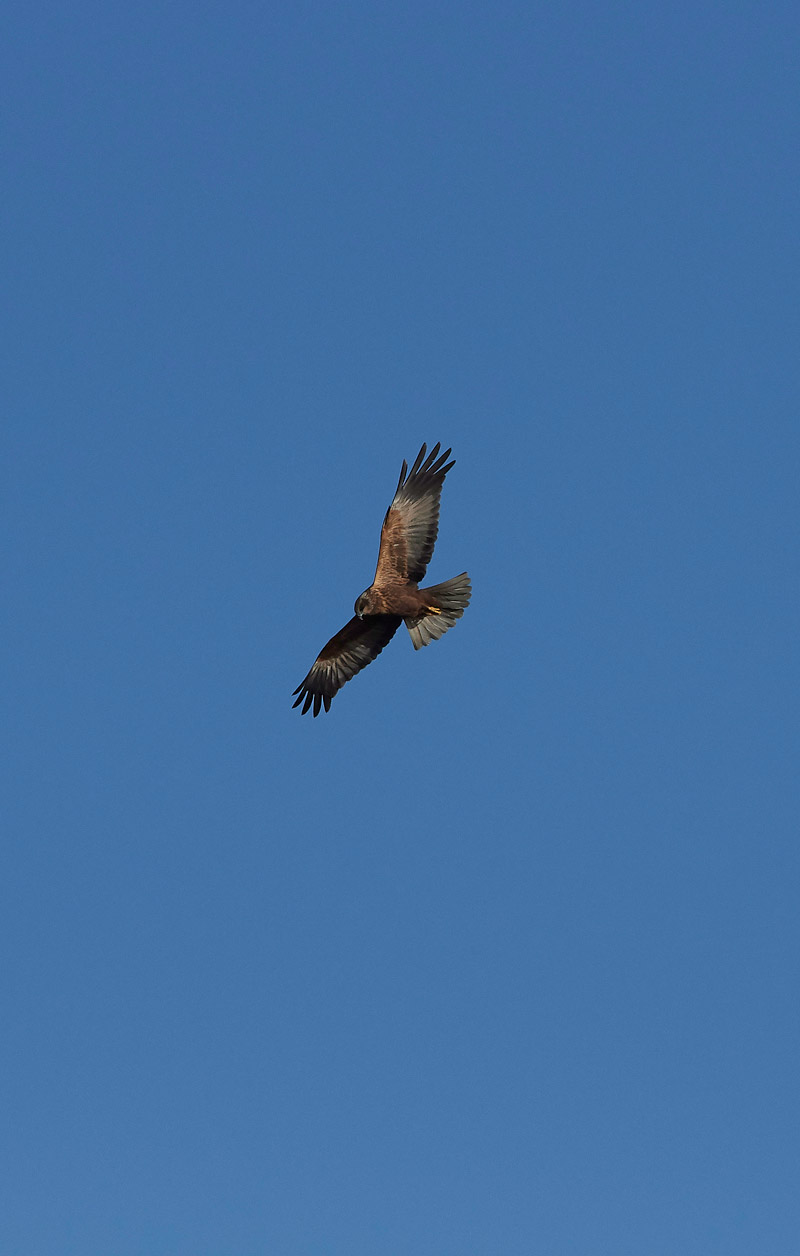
[407, 539]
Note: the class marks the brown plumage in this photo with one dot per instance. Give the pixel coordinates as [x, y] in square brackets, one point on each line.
[408, 536]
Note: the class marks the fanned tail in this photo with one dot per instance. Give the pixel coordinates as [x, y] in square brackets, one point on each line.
[450, 599]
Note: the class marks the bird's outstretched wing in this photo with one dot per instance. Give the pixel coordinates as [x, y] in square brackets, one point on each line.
[358, 643]
[409, 530]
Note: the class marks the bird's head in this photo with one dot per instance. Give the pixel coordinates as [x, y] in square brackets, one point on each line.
[362, 605]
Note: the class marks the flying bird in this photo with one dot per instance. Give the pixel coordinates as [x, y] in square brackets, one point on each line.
[408, 536]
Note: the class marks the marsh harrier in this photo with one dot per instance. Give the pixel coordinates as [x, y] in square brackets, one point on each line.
[407, 539]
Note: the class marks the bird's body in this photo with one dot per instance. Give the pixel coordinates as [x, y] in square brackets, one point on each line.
[405, 600]
[408, 536]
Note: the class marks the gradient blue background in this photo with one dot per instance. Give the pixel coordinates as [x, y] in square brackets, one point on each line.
[500, 956]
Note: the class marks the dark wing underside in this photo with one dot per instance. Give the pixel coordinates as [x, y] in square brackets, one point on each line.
[409, 530]
[356, 645]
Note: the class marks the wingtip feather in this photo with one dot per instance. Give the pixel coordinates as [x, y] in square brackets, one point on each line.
[419, 460]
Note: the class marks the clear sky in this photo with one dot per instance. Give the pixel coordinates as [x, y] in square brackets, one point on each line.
[499, 957]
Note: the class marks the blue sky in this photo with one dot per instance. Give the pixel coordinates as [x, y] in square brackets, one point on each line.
[500, 955]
